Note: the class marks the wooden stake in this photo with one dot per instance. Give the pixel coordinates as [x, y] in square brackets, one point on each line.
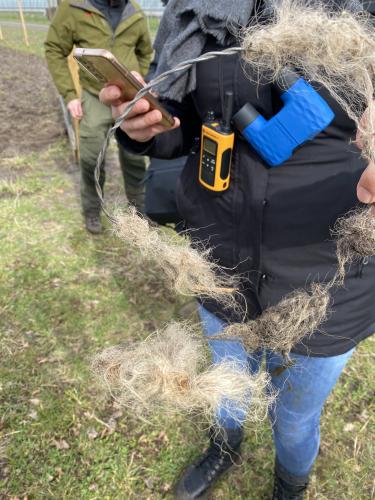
[77, 143]
[1, 34]
[73, 67]
[26, 38]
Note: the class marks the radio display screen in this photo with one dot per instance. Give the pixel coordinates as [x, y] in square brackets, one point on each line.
[210, 146]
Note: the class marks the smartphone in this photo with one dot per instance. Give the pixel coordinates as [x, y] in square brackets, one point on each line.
[103, 66]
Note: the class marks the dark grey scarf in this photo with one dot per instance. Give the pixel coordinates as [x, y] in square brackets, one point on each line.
[184, 28]
[183, 33]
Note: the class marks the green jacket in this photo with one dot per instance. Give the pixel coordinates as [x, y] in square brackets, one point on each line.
[78, 23]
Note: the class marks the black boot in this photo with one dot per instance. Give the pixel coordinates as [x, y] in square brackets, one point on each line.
[93, 224]
[287, 486]
[223, 452]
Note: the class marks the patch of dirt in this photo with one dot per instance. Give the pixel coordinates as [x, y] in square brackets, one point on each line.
[29, 108]
[31, 120]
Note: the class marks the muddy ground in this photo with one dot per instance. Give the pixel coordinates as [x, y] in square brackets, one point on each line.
[30, 115]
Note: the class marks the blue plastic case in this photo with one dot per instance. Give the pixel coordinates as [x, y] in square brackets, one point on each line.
[304, 115]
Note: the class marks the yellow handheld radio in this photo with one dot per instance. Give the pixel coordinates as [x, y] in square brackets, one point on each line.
[217, 141]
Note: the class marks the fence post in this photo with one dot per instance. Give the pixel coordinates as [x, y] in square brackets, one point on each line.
[73, 68]
[19, 2]
[1, 34]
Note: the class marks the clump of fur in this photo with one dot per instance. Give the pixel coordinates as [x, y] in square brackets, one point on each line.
[334, 48]
[167, 371]
[282, 326]
[188, 271]
[355, 235]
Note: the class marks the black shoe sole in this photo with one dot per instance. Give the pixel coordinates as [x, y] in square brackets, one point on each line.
[99, 231]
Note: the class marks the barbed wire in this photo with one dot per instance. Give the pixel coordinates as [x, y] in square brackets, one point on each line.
[150, 86]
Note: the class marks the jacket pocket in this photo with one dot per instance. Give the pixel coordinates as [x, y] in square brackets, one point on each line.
[208, 215]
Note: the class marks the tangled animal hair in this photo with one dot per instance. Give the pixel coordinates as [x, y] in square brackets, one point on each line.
[167, 371]
[188, 271]
[300, 313]
[355, 235]
[334, 48]
[281, 326]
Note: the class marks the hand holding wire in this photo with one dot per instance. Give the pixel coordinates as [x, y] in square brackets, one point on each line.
[142, 123]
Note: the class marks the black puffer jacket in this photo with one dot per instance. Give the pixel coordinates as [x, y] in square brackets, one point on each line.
[272, 225]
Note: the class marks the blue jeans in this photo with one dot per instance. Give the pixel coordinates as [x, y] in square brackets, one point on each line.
[302, 391]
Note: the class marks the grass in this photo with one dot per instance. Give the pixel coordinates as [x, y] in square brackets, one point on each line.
[153, 24]
[13, 39]
[30, 17]
[64, 296]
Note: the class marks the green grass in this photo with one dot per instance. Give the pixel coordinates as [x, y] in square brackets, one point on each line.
[64, 296]
[30, 17]
[13, 39]
[153, 24]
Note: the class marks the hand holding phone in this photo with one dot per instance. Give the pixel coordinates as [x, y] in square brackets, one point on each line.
[102, 65]
[143, 123]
